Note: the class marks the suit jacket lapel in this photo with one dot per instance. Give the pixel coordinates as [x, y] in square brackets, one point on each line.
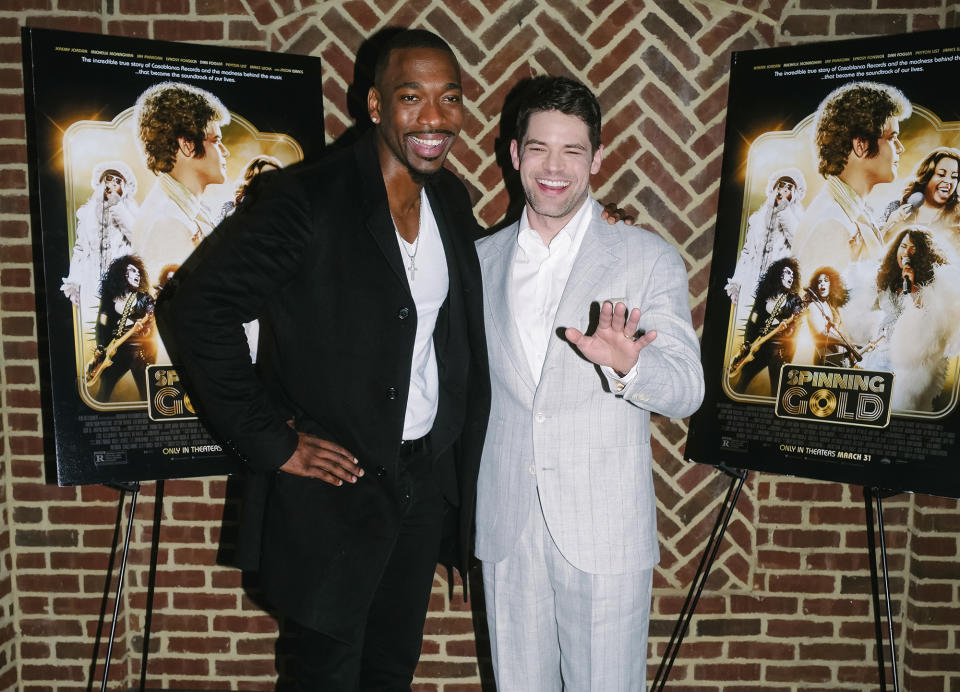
[596, 256]
[497, 288]
[378, 221]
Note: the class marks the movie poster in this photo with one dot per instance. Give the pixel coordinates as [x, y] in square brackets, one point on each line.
[831, 341]
[120, 198]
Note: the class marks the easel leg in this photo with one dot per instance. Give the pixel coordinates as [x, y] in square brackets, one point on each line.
[886, 589]
[151, 582]
[868, 496]
[135, 491]
[105, 598]
[700, 578]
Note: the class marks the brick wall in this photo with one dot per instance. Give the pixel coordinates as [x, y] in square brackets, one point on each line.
[788, 605]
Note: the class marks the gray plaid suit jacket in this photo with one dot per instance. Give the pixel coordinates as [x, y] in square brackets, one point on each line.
[582, 439]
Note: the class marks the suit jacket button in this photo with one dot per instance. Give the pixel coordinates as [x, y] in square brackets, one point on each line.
[381, 473]
[392, 393]
[404, 313]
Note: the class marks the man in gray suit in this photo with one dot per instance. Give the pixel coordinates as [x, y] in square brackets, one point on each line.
[566, 514]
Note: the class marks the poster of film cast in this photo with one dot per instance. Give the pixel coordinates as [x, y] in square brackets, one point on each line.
[835, 284]
[140, 149]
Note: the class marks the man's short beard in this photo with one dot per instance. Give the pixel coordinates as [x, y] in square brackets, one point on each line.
[419, 177]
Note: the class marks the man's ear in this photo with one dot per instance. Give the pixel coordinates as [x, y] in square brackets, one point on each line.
[185, 147]
[515, 154]
[373, 104]
[861, 148]
[597, 160]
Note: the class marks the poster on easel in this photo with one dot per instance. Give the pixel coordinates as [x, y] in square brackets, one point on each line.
[137, 150]
[831, 338]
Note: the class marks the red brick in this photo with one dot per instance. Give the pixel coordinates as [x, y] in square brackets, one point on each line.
[264, 645]
[796, 538]
[205, 601]
[178, 666]
[188, 30]
[158, 7]
[809, 491]
[41, 628]
[76, 606]
[799, 629]
[230, 623]
[53, 672]
[195, 511]
[245, 668]
[727, 671]
[795, 673]
[33, 605]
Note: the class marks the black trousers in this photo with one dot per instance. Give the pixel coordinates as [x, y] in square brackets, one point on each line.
[386, 658]
[771, 356]
[132, 357]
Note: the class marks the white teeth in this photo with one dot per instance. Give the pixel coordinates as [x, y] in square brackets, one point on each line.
[428, 142]
[556, 184]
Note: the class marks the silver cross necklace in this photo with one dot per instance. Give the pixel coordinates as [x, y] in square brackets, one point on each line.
[412, 268]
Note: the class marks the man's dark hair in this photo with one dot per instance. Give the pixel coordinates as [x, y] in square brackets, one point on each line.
[854, 111]
[926, 257]
[114, 284]
[170, 110]
[838, 296]
[410, 38]
[562, 94]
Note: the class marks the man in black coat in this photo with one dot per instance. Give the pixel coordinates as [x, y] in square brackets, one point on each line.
[363, 423]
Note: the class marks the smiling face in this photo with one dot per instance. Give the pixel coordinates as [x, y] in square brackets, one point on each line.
[418, 107]
[943, 182]
[555, 161]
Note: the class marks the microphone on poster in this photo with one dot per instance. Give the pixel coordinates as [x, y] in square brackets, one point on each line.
[915, 200]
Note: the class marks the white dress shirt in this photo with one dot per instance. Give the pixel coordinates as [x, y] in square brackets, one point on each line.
[429, 284]
[537, 280]
[538, 277]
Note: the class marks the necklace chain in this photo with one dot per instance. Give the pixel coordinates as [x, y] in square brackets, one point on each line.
[412, 267]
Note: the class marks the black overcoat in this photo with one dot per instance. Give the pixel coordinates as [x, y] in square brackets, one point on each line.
[315, 258]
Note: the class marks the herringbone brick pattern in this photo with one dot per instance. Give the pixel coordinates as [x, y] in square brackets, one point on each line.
[787, 607]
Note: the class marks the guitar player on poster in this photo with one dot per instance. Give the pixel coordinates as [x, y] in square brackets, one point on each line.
[125, 339]
[769, 338]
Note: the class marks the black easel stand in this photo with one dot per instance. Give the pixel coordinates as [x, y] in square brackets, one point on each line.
[737, 478]
[868, 495]
[134, 489]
